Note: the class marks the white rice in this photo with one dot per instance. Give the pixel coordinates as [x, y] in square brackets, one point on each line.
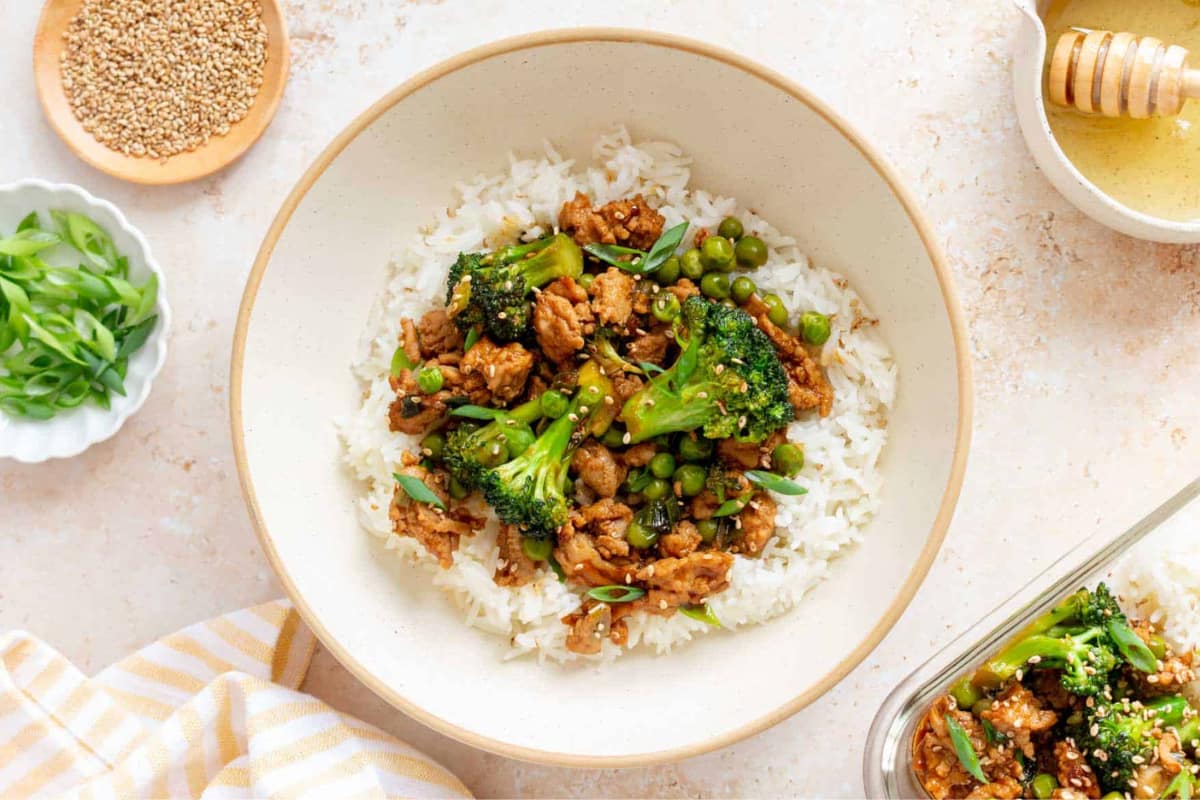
[1159, 580]
[842, 451]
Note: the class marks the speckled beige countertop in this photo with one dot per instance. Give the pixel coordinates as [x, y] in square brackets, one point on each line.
[1085, 346]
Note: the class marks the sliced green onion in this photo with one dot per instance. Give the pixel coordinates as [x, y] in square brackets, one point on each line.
[616, 593]
[639, 479]
[650, 369]
[703, 613]
[67, 333]
[1132, 648]
[664, 248]
[612, 254]
[476, 412]
[732, 506]
[557, 569]
[769, 480]
[472, 337]
[133, 338]
[417, 490]
[964, 749]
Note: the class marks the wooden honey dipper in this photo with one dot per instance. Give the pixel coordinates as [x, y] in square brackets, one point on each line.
[1120, 74]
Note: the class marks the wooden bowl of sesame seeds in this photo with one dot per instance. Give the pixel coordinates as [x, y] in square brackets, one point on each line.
[157, 93]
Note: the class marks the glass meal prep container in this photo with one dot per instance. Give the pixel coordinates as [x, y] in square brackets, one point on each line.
[887, 761]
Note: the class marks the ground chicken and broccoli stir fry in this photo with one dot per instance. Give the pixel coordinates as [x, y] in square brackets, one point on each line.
[1085, 703]
[622, 409]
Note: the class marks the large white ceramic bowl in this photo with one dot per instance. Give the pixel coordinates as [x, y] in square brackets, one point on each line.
[1029, 59]
[72, 432]
[323, 263]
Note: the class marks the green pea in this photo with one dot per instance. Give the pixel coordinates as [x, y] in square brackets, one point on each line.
[776, 310]
[430, 379]
[715, 285]
[433, 444]
[814, 327]
[492, 455]
[695, 448]
[1043, 786]
[718, 253]
[662, 465]
[731, 228]
[708, 529]
[691, 478]
[537, 549]
[668, 273]
[585, 280]
[519, 440]
[981, 706]
[640, 536]
[657, 489]
[742, 289]
[691, 264]
[666, 307]
[457, 490]
[613, 437]
[750, 252]
[554, 403]
[966, 694]
[787, 459]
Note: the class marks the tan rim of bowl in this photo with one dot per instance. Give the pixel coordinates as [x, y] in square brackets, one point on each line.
[954, 312]
[218, 153]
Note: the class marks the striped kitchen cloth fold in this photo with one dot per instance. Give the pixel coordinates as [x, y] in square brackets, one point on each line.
[209, 712]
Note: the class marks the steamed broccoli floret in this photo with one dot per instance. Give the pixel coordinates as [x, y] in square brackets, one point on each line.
[1086, 637]
[471, 448]
[1083, 657]
[493, 290]
[727, 381]
[604, 349]
[1072, 637]
[530, 490]
[1119, 736]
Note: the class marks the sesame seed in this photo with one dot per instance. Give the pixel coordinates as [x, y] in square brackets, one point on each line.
[502, 315]
[608, 400]
[153, 79]
[1035, 659]
[627, 438]
[662, 604]
[573, 417]
[701, 395]
[583, 409]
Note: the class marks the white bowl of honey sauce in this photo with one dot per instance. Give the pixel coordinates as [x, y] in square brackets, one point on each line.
[1140, 177]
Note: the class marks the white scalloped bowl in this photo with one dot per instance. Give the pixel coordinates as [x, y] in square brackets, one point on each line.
[73, 431]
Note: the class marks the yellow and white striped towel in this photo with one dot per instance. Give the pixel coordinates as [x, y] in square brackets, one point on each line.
[210, 712]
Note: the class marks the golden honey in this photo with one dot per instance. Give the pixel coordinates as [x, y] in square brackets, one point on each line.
[1150, 165]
